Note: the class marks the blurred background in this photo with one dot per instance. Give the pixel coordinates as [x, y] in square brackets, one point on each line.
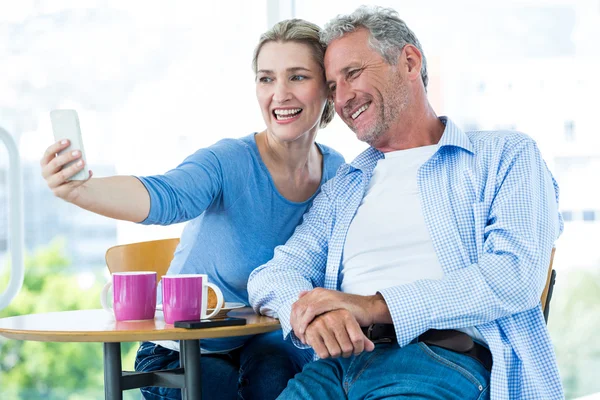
[153, 81]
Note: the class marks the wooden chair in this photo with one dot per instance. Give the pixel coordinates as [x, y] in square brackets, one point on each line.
[155, 255]
[547, 293]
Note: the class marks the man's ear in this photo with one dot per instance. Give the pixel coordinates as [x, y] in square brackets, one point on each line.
[412, 60]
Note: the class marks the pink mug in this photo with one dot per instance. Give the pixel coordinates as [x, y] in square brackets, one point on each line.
[185, 297]
[134, 295]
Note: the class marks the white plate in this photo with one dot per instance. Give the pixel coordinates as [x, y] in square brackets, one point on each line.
[225, 309]
[221, 314]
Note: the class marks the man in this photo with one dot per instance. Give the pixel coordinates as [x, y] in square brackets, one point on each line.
[425, 258]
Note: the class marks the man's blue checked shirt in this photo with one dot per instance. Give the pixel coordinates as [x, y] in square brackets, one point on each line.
[490, 205]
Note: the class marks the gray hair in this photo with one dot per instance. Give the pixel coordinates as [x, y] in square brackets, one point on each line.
[388, 33]
[304, 32]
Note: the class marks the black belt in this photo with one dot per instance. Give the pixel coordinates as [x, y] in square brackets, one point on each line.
[448, 339]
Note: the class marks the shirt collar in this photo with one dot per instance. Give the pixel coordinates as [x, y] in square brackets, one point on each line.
[453, 136]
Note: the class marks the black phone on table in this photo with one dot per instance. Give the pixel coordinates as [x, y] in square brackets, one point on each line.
[209, 323]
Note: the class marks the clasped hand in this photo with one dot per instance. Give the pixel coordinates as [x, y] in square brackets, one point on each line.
[330, 322]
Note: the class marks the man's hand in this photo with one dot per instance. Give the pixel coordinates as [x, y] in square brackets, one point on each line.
[337, 333]
[366, 310]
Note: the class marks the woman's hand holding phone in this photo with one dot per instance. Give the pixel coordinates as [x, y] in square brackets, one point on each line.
[56, 176]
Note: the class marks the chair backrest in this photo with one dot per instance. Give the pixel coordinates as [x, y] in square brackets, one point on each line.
[155, 255]
[547, 293]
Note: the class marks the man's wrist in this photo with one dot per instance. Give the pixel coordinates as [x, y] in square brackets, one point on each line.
[378, 310]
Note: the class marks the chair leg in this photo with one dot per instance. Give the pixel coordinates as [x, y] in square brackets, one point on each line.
[549, 296]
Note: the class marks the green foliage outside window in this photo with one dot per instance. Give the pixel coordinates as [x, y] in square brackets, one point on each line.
[46, 370]
[574, 325]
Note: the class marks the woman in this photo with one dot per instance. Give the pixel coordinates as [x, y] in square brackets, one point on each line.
[243, 196]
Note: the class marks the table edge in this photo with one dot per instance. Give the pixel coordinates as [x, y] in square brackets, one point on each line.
[110, 337]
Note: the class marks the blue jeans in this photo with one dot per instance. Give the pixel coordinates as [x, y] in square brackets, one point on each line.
[416, 371]
[260, 369]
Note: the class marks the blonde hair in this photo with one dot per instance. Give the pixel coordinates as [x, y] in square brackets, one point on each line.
[304, 32]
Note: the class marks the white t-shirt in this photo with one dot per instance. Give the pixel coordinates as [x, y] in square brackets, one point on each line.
[388, 243]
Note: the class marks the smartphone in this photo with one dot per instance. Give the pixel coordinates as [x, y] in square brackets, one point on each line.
[209, 323]
[65, 125]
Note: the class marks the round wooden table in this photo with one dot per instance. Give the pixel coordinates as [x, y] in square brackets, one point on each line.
[99, 326]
